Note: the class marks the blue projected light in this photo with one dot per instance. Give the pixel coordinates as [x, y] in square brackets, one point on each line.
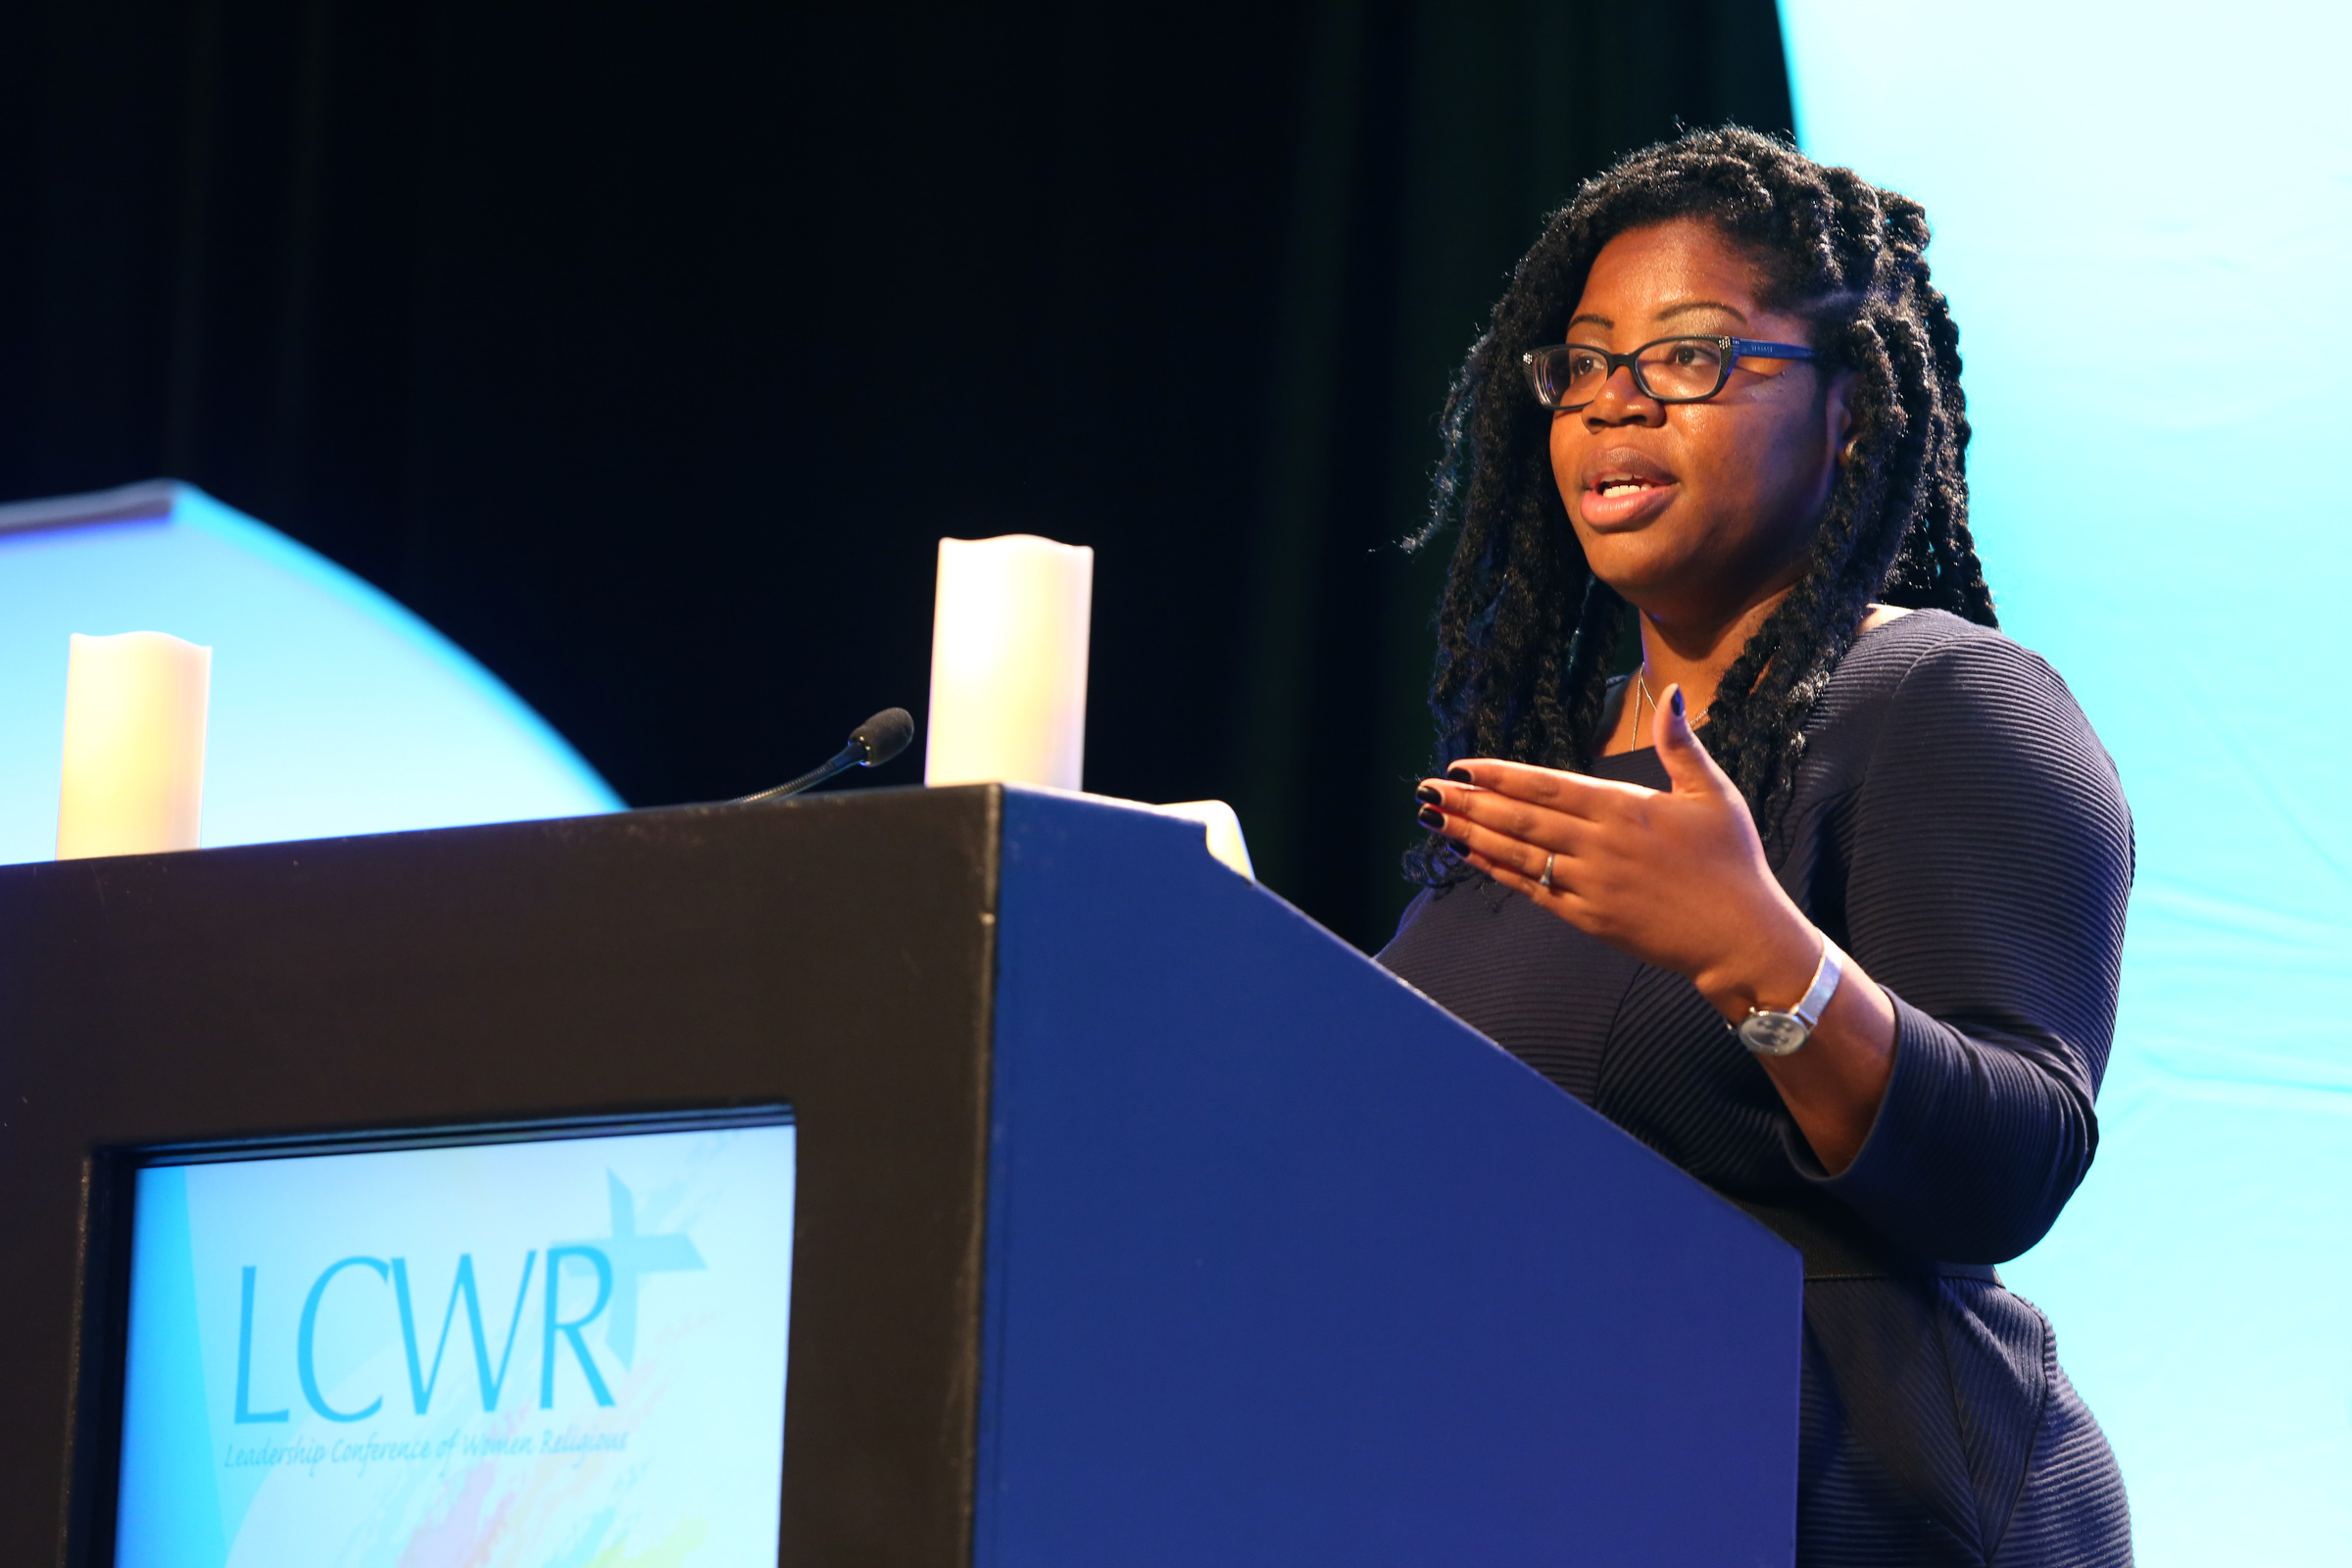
[567, 1351]
[334, 709]
[2144, 224]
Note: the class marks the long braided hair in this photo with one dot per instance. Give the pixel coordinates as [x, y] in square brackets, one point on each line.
[1529, 638]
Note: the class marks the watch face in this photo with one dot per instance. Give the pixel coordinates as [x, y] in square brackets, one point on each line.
[1773, 1033]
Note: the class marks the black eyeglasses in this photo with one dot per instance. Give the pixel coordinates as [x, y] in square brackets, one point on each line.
[1674, 370]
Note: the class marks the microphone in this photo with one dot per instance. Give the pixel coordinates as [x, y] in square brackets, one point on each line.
[871, 743]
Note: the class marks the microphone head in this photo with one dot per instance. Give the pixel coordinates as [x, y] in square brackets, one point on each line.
[884, 736]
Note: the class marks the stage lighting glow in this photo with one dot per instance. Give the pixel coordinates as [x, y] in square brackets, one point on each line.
[334, 709]
[2144, 222]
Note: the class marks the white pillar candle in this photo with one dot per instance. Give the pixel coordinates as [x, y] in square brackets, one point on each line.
[1009, 644]
[135, 745]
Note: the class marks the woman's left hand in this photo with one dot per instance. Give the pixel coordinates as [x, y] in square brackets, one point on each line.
[1675, 878]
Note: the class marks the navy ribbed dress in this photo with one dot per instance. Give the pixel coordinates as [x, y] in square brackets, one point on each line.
[1959, 830]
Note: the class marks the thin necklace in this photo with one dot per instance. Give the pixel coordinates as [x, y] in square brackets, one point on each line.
[1642, 679]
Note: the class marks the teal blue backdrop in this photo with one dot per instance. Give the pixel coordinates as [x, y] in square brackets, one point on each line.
[334, 709]
[2143, 219]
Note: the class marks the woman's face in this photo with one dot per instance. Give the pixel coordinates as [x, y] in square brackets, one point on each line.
[1695, 511]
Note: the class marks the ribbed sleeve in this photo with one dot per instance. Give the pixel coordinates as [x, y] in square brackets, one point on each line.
[1986, 856]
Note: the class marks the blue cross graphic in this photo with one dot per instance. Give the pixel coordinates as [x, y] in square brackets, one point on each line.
[632, 1256]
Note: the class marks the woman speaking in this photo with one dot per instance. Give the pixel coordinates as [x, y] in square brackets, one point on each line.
[1756, 836]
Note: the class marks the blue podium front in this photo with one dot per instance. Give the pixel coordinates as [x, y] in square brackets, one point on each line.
[944, 1178]
[1285, 1264]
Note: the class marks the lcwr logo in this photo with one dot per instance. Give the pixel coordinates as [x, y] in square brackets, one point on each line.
[617, 1262]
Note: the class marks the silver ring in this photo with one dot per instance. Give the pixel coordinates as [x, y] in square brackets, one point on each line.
[1544, 881]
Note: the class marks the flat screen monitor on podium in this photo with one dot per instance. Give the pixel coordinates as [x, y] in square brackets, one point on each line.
[551, 1346]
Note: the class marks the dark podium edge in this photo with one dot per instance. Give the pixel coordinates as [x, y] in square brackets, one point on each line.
[79, 1461]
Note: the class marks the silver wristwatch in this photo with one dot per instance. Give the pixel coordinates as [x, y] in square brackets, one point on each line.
[1768, 1033]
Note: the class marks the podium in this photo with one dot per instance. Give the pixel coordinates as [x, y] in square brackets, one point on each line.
[1138, 1221]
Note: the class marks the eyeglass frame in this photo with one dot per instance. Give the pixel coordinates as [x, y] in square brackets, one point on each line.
[1735, 349]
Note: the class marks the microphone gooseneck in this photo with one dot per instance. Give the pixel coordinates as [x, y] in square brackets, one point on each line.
[871, 743]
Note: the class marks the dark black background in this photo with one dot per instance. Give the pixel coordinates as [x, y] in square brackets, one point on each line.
[647, 349]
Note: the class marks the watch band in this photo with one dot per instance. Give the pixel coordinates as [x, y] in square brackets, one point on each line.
[1824, 986]
[1769, 1032]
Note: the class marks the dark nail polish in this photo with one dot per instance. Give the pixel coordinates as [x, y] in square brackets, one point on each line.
[1460, 775]
[1431, 818]
[1429, 794]
[1677, 701]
